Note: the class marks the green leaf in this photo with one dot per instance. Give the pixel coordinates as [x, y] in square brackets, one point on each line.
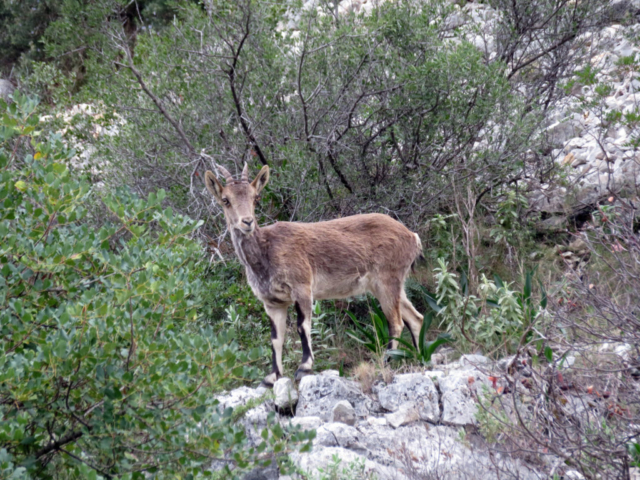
[441, 339]
[430, 300]
[548, 353]
[527, 287]
[464, 283]
[543, 299]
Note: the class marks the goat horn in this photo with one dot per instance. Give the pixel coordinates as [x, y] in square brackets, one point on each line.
[228, 177]
[245, 173]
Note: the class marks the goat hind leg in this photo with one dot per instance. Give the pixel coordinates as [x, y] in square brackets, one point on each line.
[303, 309]
[390, 300]
[411, 317]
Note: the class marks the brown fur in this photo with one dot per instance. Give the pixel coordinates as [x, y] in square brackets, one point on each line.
[296, 263]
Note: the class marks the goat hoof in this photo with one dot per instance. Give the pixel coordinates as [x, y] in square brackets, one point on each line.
[265, 384]
[301, 373]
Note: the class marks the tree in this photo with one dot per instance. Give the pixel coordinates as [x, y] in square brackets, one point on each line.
[392, 110]
[104, 365]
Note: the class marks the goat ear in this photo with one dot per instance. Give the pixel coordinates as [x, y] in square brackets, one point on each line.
[213, 185]
[261, 179]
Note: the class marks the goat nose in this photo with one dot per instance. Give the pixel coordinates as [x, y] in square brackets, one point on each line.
[247, 221]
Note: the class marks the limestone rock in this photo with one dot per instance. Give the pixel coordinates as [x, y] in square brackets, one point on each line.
[416, 392]
[307, 423]
[285, 393]
[423, 446]
[255, 419]
[568, 159]
[271, 472]
[324, 458]
[405, 414]
[318, 394]
[459, 390]
[343, 412]
[561, 131]
[578, 162]
[337, 434]
[239, 396]
[382, 446]
[474, 360]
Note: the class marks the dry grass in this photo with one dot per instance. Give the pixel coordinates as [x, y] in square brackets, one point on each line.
[365, 374]
[368, 373]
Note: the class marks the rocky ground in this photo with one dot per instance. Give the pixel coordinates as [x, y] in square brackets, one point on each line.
[418, 425]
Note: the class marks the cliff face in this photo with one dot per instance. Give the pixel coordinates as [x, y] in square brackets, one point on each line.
[595, 129]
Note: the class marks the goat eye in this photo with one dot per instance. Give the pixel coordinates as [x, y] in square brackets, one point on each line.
[226, 201]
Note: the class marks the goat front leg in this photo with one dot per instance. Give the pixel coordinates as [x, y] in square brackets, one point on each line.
[303, 309]
[278, 318]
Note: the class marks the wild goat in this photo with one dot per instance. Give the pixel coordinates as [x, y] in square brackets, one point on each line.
[295, 263]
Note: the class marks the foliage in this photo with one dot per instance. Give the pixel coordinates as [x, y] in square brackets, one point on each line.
[21, 25]
[26, 26]
[500, 318]
[52, 85]
[508, 215]
[424, 350]
[444, 233]
[634, 453]
[338, 470]
[231, 305]
[582, 367]
[593, 100]
[104, 366]
[492, 418]
[326, 351]
[390, 110]
[375, 341]
[365, 110]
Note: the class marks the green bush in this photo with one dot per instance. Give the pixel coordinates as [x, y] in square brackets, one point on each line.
[21, 26]
[498, 320]
[105, 367]
[393, 117]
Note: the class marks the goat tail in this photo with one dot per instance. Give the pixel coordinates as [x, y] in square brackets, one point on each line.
[419, 256]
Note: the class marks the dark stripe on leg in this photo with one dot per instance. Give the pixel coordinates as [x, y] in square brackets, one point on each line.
[306, 348]
[274, 363]
[414, 340]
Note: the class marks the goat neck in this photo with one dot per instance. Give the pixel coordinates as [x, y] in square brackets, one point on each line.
[251, 252]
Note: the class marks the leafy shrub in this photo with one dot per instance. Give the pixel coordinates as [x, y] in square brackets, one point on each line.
[104, 365]
[500, 319]
[424, 350]
[375, 340]
[22, 24]
[230, 304]
[401, 104]
[50, 83]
